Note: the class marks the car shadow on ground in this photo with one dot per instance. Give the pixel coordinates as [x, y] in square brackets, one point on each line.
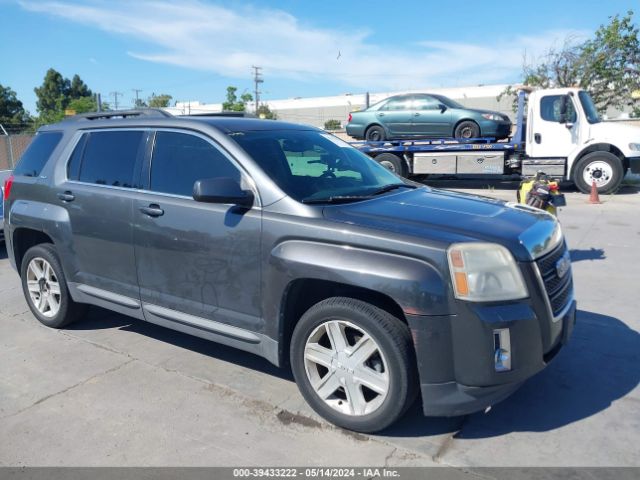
[3, 251]
[601, 364]
[584, 379]
[98, 318]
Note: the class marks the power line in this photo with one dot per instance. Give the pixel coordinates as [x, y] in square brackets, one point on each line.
[115, 96]
[257, 80]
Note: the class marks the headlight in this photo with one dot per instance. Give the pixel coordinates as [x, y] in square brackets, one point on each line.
[485, 272]
[634, 146]
[492, 116]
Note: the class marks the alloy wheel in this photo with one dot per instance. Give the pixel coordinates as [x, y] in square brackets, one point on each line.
[43, 286]
[346, 368]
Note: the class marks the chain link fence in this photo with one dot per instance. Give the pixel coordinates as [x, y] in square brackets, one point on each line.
[11, 149]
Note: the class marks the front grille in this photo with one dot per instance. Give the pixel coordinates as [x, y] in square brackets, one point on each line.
[558, 289]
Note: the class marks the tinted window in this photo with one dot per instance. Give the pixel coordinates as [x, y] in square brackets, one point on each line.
[179, 159]
[110, 158]
[37, 154]
[73, 167]
[551, 108]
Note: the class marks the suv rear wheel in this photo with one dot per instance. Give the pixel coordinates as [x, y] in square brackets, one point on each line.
[45, 288]
[354, 364]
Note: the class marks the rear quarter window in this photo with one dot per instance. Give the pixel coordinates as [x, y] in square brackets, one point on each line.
[37, 153]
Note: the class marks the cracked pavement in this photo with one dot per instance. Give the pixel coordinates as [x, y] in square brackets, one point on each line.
[111, 390]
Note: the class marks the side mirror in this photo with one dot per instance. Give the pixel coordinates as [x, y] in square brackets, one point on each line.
[222, 190]
[442, 107]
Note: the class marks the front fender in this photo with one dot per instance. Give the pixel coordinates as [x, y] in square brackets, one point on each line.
[416, 285]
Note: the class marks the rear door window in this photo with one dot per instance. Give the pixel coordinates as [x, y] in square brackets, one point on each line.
[180, 159]
[35, 157]
[397, 104]
[110, 157]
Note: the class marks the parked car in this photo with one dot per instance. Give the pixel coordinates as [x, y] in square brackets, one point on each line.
[425, 115]
[286, 242]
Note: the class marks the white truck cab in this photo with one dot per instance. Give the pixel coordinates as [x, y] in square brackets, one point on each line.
[563, 125]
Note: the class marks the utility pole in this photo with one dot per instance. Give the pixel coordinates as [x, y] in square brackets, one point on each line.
[115, 96]
[136, 91]
[257, 80]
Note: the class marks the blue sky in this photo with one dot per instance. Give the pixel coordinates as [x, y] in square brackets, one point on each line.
[193, 50]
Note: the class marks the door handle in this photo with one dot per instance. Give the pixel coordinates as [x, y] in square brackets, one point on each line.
[537, 137]
[67, 196]
[416, 114]
[152, 210]
[381, 114]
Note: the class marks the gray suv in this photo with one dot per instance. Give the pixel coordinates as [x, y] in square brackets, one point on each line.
[284, 241]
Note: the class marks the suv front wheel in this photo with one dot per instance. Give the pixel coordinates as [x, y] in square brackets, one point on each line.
[354, 364]
[45, 288]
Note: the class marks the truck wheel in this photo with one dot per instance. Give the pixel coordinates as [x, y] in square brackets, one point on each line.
[467, 129]
[354, 364]
[374, 133]
[603, 167]
[45, 288]
[394, 163]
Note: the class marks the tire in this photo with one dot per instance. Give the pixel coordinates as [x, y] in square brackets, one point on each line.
[375, 133]
[388, 364]
[393, 163]
[603, 167]
[467, 129]
[51, 287]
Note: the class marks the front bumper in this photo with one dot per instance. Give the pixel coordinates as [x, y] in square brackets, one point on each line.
[456, 361]
[497, 130]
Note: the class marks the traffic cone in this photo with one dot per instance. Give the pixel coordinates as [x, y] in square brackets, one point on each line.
[594, 197]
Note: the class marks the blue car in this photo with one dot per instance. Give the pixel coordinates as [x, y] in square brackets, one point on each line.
[422, 115]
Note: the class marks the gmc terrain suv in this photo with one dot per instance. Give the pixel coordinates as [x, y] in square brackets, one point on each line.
[284, 241]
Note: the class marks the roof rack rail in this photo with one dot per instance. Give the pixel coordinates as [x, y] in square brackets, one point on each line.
[139, 112]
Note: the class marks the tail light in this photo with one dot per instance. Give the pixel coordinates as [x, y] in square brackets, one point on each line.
[7, 187]
[350, 117]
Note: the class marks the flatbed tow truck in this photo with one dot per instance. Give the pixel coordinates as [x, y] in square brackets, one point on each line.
[558, 131]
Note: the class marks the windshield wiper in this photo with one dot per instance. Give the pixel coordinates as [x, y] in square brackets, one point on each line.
[355, 198]
[337, 199]
[393, 186]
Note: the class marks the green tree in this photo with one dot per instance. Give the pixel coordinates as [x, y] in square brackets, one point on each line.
[53, 93]
[608, 65]
[159, 101]
[332, 124]
[12, 113]
[82, 105]
[78, 89]
[265, 112]
[233, 104]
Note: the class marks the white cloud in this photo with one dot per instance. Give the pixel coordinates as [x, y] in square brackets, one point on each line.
[228, 41]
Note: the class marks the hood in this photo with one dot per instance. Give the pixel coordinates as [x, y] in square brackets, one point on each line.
[615, 132]
[449, 217]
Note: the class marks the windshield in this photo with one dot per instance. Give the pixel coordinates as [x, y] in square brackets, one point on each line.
[447, 101]
[589, 108]
[312, 166]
